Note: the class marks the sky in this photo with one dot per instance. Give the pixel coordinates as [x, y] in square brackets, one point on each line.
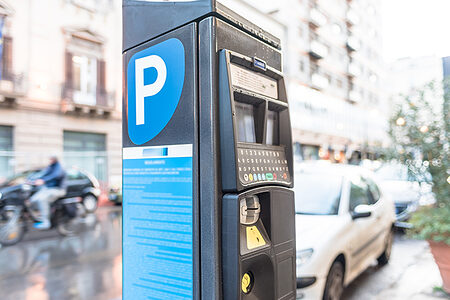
[414, 28]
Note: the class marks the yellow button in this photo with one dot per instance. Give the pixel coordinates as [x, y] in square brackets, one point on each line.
[250, 176]
[247, 283]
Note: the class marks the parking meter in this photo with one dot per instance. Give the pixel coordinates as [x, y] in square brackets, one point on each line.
[208, 206]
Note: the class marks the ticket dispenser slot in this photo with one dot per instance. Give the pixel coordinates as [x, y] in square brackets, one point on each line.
[258, 235]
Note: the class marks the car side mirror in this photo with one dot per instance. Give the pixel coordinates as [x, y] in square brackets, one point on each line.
[361, 211]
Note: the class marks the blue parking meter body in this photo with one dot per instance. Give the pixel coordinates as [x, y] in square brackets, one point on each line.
[208, 206]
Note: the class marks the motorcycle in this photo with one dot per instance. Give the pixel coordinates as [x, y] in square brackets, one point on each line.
[17, 213]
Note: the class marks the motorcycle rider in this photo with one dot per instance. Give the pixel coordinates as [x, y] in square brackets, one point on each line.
[52, 182]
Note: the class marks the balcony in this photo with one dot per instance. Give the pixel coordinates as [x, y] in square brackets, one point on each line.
[11, 87]
[319, 81]
[318, 50]
[354, 96]
[317, 18]
[354, 70]
[352, 17]
[353, 43]
[100, 104]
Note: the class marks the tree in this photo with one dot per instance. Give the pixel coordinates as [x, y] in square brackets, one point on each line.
[419, 129]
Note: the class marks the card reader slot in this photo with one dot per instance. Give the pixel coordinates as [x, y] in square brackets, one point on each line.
[245, 96]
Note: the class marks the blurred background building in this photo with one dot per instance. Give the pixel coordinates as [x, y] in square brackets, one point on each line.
[334, 68]
[60, 85]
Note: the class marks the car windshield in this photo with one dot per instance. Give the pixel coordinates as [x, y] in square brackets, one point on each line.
[317, 194]
[397, 172]
[393, 172]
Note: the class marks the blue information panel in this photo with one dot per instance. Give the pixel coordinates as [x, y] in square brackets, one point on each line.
[157, 224]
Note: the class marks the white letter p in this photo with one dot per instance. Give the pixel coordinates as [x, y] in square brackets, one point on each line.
[142, 91]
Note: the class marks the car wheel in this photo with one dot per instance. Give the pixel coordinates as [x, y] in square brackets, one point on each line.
[90, 203]
[334, 286]
[386, 255]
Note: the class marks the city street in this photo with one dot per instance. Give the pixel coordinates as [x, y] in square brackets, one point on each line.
[47, 266]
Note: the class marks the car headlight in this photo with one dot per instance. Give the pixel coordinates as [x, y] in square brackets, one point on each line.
[304, 255]
[1, 196]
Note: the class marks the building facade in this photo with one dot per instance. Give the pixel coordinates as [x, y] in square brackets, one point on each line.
[60, 85]
[334, 68]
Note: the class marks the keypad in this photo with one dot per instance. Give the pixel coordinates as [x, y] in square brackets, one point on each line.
[258, 166]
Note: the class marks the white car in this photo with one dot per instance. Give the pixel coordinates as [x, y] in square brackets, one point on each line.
[343, 223]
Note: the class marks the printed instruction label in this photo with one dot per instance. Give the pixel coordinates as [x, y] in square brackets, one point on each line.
[157, 223]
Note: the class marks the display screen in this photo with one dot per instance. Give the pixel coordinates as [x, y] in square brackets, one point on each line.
[245, 122]
[272, 128]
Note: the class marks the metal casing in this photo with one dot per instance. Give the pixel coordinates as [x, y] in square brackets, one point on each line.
[205, 27]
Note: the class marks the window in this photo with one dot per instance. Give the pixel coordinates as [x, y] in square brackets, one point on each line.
[6, 64]
[310, 152]
[359, 193]
[85, 69]
[316, 197]
[301, 66]
[374, 191]
[297, 151]
[86, 151]
[6, 146]
[84, 79]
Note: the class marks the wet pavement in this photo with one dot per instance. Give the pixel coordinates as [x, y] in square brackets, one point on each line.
[411, 274]
[46, 266]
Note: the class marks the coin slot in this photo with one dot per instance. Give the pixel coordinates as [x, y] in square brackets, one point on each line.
[247, 282]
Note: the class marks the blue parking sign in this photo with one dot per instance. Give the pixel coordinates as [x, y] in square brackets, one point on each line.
[155, 82]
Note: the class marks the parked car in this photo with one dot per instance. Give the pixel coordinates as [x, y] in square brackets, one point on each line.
[343, 223]
[79, 184]
[406, 192]
[115, 195]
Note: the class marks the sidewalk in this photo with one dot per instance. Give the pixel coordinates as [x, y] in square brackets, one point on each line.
[410, 275]
[417, 281]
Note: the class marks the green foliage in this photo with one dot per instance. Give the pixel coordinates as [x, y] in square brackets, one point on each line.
[431, 223]
[419, 129]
